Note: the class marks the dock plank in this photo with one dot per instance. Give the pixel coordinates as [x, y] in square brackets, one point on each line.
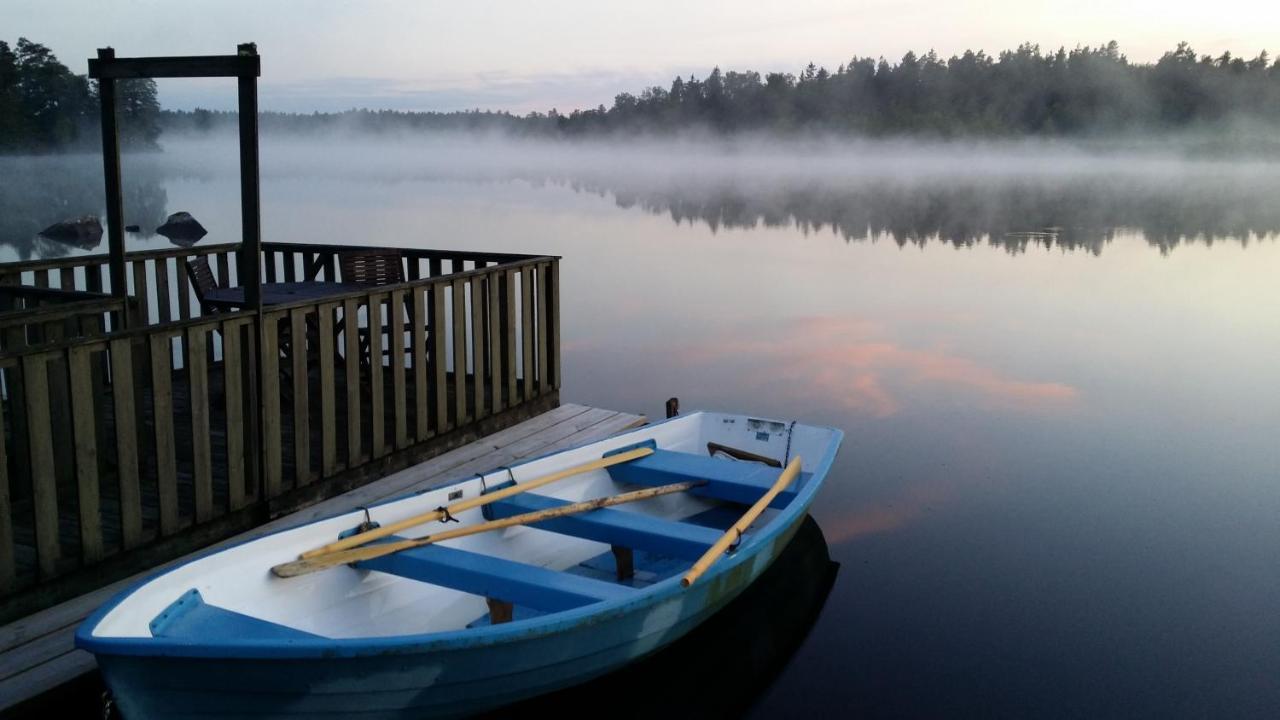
[37, 652]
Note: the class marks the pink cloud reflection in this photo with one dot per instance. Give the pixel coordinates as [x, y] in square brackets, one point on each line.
[846, 360]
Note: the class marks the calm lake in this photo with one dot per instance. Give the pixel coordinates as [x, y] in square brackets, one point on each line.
[1057, 372]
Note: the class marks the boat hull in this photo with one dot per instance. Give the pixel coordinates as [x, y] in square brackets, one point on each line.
[438, 682]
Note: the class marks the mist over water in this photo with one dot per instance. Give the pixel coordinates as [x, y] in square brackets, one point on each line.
[1013, 194]
[1055, 367]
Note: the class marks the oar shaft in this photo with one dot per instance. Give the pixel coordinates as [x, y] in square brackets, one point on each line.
[345, 557]
[733, 533]
[475, 502]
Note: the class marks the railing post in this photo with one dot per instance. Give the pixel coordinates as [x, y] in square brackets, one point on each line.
[111, 174]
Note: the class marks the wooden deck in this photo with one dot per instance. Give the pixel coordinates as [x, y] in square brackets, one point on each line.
[36, 652]
[180, 420]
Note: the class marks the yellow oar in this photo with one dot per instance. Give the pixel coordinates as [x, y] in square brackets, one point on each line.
[393, 528]
[735, 532]
[344, 557]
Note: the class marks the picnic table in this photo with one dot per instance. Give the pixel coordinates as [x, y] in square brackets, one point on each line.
[278, 293]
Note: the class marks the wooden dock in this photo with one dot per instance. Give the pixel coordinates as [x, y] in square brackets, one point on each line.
[37, 653]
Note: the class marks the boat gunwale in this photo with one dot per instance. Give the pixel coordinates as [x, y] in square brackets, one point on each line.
[464, 638]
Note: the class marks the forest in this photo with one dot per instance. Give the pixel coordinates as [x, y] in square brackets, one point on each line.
[1026, 92]
[45, 107]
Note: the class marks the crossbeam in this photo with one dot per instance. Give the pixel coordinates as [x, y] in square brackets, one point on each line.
[190, 66]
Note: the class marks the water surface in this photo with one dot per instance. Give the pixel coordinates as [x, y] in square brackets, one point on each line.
[1058, 494]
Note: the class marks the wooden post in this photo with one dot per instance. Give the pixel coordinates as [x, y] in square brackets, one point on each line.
[111, 174]
[250, 255]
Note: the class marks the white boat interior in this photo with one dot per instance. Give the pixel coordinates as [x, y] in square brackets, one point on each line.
[232, 596]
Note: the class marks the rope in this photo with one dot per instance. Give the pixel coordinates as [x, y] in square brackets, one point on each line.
[787, 457]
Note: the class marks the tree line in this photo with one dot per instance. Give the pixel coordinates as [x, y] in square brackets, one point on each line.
[1018, 92]
[45, 107]
[1021, 92]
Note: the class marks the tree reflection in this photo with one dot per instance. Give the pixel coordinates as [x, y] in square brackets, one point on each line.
[1015, 213]
[40, 191]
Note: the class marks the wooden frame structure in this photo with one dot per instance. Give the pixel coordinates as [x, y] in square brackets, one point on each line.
[245, 66]
[135, 428]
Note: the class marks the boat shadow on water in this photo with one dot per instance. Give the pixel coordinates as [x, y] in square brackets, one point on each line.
[725, 665]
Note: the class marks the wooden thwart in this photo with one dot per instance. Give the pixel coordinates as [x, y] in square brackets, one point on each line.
[344, 557]
[475, 502]
[735, 532]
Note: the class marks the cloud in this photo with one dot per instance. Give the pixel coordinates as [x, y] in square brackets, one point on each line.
[848, 361]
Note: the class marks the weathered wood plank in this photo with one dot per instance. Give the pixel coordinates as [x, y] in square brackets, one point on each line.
[290, 260]
[439, 388]
[126, 429]
[184, 289]
[395, 318]
[162, 290]
[478, 345]
[166, 451]
[140, 299]
[328, 387]
[495, 341]
[43, 479]
[509, 350]
[351, 335]
[8, 563]
[301, 393]
[459, 333]
[201, 443]
[544, 380]
[378, 446]
[526, 331]
[85, 432]
[419, 355]
[233, 397]
[224, 269]
[272, 440]
[553, 295]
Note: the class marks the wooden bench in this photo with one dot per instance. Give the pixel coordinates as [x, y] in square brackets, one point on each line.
[729, 480]
[616, 527]
[496, 578]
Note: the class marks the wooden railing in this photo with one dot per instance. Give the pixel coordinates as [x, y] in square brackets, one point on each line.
[31, 316]
[145, 442]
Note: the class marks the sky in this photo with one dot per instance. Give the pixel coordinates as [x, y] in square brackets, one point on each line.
[521, 56]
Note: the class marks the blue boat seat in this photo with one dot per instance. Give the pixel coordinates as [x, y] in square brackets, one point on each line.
[493, 577]
[731, 480]
[191, 618]
[616, 527]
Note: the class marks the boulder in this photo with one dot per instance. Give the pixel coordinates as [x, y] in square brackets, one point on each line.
[85, 232]
[182, 229]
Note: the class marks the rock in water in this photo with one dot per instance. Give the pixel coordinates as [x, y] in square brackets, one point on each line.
[84, 232]
[182, 229]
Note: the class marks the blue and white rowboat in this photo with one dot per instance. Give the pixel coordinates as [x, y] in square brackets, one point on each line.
[410, 634]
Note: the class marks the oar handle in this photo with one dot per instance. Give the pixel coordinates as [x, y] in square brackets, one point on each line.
[475, 502]
[369, 552]
[735, 532]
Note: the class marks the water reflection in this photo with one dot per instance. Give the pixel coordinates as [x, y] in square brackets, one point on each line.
[723, 666]
[39, 191]
[852, 362]
[1016, 212]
